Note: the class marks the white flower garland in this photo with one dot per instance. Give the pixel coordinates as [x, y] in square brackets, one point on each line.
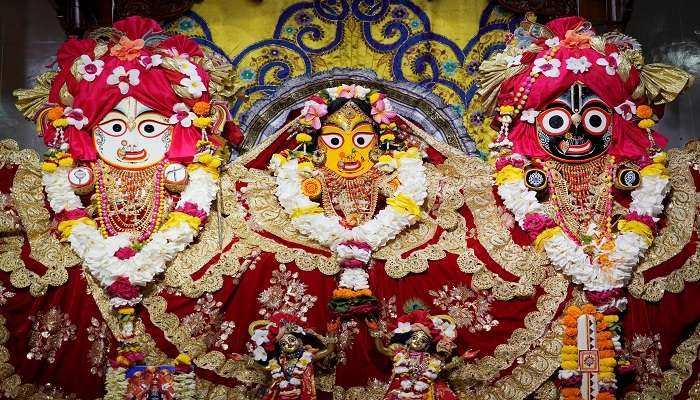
[97, 251]
[569, 257]
[327, 230]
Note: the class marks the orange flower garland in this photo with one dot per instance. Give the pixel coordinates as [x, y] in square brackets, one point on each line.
[604, 345]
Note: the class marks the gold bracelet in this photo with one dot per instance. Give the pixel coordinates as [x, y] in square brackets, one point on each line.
[375, 334]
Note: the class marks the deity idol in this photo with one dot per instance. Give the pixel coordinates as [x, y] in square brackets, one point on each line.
[420, 348]
[288, 351]
[585, 175]
[133, 131]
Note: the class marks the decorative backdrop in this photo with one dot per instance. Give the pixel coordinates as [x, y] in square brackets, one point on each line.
[436, 45]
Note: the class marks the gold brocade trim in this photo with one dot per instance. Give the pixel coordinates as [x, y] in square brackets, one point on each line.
[548, 391]
[674, 282]
[494, 236]
[673, 378]
[28, 197]
[680, 212]
[536, 322]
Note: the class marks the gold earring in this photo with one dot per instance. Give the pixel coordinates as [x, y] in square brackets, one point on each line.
[318, 157]
[375, 153]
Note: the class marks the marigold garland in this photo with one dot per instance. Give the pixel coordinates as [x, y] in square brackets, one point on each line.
[570, 373]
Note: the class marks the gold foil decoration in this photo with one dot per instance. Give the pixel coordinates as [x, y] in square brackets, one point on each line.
[66, 97]
[31, 100]
[597, 43]
[662, 83]
[492, 73]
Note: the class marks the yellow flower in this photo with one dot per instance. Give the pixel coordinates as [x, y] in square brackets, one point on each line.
[305, 164]
[196, 165]
[569, 349]
[374, 97]
[654, 169]
[569, 357]
[387, 137]
[60, 123]
[506, 109]
[177, 217]
[122, 360]
[49, 166]
[301, 211]
[412, 152]
[570, 365]
[66, 227]
[384, 158]
[311, 187]
[65, 162]
[606, 376]
[608, 362]
[202, 122]
[509, 174]
[637, 227]
[282, 159]
[303, 138]
[126, 311]
[183, 359]
[209, 160]
[544, 236]
[660, 157]
[611, 318]
[404, 204]
[646, 123]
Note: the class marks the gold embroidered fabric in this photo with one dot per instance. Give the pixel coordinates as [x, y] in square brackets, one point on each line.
[674, 378]
[11, 384]
[49, 331]
[98, 335]
[28, 197]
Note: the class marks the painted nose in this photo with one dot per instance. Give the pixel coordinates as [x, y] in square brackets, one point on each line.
[576, 119]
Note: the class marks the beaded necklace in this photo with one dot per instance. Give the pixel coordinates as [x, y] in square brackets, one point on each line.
[130, 201]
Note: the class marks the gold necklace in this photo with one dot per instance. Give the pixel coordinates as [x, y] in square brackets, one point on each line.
[355, 199]
[130, 200]
[582, 194]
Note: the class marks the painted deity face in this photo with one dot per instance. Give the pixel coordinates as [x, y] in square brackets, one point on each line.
[132, 136]
[347, 137]
[419, 341]
[289, 343]
[576, 127]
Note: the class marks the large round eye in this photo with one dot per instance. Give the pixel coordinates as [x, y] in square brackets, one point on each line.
[363, 140]
[596, 121]
[332, 140]
[555, 121]
[114, 127]
[151, 128]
